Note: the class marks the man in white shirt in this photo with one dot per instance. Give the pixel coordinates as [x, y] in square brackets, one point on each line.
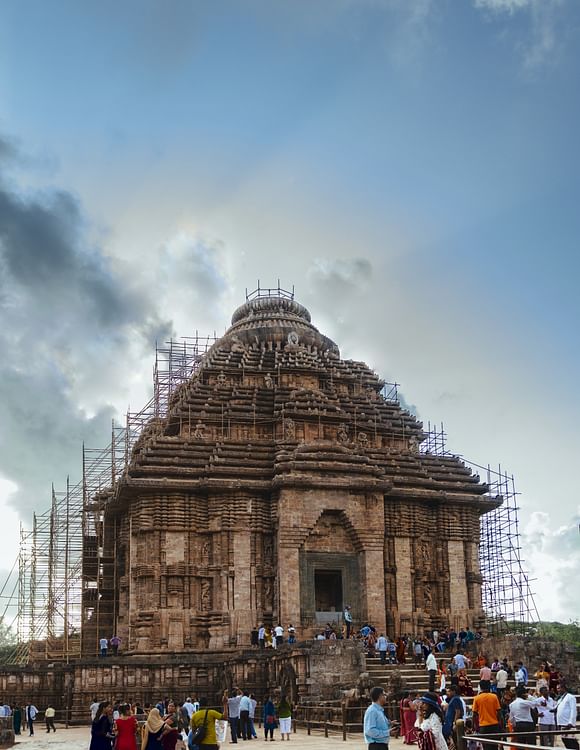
[93, 708]
[188, 706]
[253, 704]
[31, 713]
[566, 710]
[501, 681]
[431, 667]
[234, 715]
[245, 706]
[103, 645]
[279, 634]
[262, 636]
[546, 717]
[382, 646]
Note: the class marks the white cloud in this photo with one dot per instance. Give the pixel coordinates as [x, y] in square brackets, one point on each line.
[541, 42]
[553, 559]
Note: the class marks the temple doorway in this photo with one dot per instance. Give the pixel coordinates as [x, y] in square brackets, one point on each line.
[328, 590]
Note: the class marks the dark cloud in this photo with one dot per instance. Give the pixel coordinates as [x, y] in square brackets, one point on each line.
[73, 325]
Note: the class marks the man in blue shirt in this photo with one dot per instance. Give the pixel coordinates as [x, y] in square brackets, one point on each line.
[454, 710]
[376, 724]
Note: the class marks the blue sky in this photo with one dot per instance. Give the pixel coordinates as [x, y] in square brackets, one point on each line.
[412, 166]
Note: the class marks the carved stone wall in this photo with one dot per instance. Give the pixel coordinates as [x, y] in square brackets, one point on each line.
[316, 670]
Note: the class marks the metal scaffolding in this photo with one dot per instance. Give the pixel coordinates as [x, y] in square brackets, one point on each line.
[507, 598]
[62, 569]
[63, 588]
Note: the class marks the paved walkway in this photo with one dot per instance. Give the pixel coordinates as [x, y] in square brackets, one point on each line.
[77, 738]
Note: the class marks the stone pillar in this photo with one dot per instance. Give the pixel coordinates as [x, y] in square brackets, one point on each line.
[372, 570]
[458, 582]
[404, 580]
[289, 584]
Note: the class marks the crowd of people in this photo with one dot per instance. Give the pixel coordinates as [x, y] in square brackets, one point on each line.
[188, 724]
[25, 717]
[503, 702]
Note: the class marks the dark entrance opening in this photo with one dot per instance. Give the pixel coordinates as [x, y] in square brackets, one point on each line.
[328, 590]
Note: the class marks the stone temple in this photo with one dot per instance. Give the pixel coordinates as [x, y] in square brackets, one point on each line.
[281, 486]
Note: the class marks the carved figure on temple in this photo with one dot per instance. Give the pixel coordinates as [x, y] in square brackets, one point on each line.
[363, 439]
[199, 431]
[205, 595]
[268, 381]
[289, 429]
[221, 379]
[342, 434]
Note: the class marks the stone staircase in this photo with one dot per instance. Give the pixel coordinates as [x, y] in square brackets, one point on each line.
[415, 678]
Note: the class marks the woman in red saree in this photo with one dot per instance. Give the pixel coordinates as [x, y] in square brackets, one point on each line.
[408, 718]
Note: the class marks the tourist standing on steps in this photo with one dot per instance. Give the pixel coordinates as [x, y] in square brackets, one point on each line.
[291, 633]
[262, 636]
[269, 716]
[382, 647]
[376, 725]
[431, 667]
[285, 717]
[31, 713]
[347, 616]
[103, 645]
[115, 643]
[279, 634]
[49, 719]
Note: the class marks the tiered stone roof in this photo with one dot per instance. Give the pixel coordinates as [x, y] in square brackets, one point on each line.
[274, 403]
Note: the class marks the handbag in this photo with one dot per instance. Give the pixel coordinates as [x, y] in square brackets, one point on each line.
[198, 734]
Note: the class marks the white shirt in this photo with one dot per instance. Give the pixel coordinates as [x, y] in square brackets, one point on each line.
[433, 723]
[31, 713]
[2, 711]
[460, 660]
[545, 715]
[520, 677]
[520, 710]
[253, 704]
[431, 663]
[261, 634]
[566, 712]
[278, 631]
[382, 643]
[501, 679]
[189, 708]
[103, 643]
[93, 709]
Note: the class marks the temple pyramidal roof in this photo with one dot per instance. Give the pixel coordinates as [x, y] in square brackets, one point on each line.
[273, 404]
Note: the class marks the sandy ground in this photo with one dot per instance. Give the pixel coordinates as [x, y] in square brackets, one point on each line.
[77, 738]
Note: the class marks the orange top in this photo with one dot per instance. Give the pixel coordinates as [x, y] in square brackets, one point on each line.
[486, 705]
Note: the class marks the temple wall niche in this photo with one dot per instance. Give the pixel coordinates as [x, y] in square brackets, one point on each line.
[329, 535]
